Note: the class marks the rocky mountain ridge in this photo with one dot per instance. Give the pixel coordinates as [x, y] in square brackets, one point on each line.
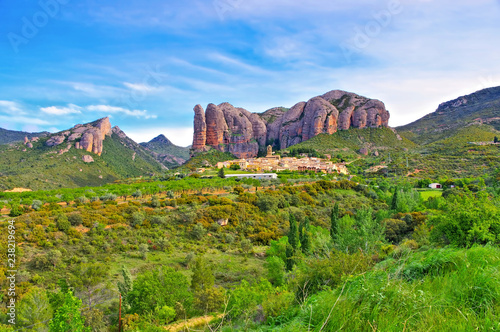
[87, 137]
[236, 130]
[480, 107]
[167, 153]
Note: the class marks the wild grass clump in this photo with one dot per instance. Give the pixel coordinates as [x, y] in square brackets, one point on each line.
[442, 290]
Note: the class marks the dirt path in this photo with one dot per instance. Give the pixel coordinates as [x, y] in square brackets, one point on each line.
[192, 323]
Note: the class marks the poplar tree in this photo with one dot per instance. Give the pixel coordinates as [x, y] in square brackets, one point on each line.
[334, 222]
[292, 235]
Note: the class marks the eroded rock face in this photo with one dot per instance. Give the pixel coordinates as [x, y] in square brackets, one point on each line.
[55, 140]
[91, 136]
[216, 126]
[242, 133]
[200, 128]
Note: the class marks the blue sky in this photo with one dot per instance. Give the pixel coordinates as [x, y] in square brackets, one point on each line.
[148, 63]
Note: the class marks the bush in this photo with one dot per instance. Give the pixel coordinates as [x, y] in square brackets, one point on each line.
[63, 223]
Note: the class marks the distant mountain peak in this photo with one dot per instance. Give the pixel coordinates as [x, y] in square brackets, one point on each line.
[161, 139]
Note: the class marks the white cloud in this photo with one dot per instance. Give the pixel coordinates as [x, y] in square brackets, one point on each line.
[55, 110]
[120, 110]
[146, 88]
[5, 120]
[11, 107]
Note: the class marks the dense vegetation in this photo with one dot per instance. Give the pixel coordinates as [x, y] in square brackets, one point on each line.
[303, 252]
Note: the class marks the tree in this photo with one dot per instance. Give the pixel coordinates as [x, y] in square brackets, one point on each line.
[495, 140]
[198, 231]
[15, 210]
[246, 246]
[292, 235]
[160, 287]
[275, 270]
[334, 222]
[34, 309]
[235, 167]
[125, 287]
[207, 297]
[305, 237]
[63, 223]
[144, 249]
[203, 276]
[222, 173]
[290, 262]
[88, 279]
[67, 317]
[394, 203]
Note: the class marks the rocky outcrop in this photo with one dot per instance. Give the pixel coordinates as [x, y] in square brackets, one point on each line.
[200, 128]
[87, 159]
[87, 137]
[230, 129]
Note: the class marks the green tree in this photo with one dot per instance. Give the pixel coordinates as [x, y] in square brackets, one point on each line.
[495, 140]
[68, 317]
[203, 276]
[275, 270]
[34, 309]
[15, 210]
[160, 287]
[198, 231]
[290, 261]
[293, 233]
[394, 203]
[63, 223]
[305, 236]
[221, 173]
[126, 286]
[334, 222]
[246, 246]
[207, 297]
[89, 278]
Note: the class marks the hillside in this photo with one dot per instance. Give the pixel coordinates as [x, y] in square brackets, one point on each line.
[42, 165]
[10, 136]
[166, 152]
[481, 107]
[353, 140]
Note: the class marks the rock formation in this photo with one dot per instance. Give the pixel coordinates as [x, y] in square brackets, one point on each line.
[200, 128]
[235, 130]
[87, 137]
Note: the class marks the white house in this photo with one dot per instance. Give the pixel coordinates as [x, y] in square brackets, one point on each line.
[436, 186]
[266, 176]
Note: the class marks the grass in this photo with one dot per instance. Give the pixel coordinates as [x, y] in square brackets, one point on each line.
[426, 194]
[434, 290]
[230, 267]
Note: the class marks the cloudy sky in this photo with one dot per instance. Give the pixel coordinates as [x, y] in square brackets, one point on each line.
[148, 63]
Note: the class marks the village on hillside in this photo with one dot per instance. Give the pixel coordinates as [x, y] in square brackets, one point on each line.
[273, 162]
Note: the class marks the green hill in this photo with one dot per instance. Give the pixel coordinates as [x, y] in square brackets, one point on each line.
[166, 152]
[10, 136]
[482, 107]
[44, 167]
[352, 140]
